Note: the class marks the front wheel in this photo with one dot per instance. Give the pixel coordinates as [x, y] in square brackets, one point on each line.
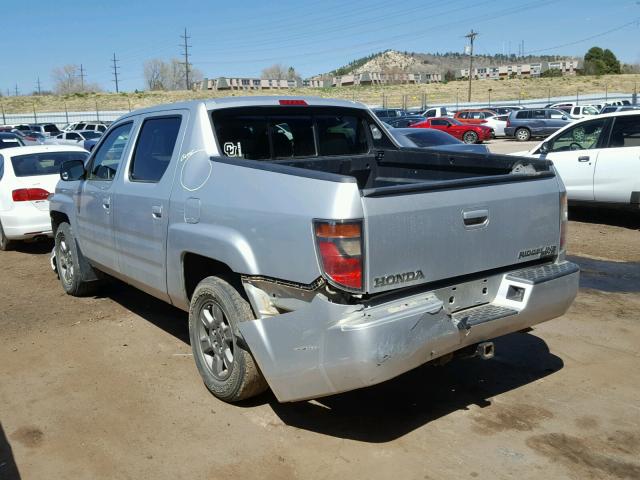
[226, 367]
[72, 266]
[522, 134]
[5, 243]
[470, 137]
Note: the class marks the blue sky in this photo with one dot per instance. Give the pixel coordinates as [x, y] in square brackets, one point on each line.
[241, 38]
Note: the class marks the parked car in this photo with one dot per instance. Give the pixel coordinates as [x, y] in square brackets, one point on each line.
[462, 131]
[388, 114]
[10, 140]
[535, 122]
[598, 159]
[474, 117]
[404, 122]
[29, 137]
[497, 124]
[147, 209]
[436, 112]
[46, 129]
[433, 139]
[77, 126]
[74, 138]
[564, 106]
[88, 145]
[581, 111]
[505, 109]
[617, 108]
[22, 128]
[27, 176]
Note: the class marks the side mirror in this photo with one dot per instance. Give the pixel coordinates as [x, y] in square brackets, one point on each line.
[564, 117]
[545, 147]
[72, 170]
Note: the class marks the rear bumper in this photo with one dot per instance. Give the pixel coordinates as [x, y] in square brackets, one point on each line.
[26, 222]
[509, 131]
[326, 348]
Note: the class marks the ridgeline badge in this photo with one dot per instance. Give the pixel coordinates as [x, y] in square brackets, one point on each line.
[397, 278]
[539, 252]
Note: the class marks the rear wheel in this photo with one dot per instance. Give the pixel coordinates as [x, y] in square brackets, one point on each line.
[522, 134]
[5, 243]
[226, 367]
[470, 137]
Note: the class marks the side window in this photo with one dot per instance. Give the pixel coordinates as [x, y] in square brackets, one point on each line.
[430, 113]
[441, 123]
[154, 148]
[625, 132]
[581, 137]
[523, 114]
[80, 126]
[107, 158]
[538, 114]
[1, 167]
[73, 136]
[576, 110]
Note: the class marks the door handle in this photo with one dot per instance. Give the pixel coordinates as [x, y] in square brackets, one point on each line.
[475, 218]
[156, 211]
[583, 159]
[106, 203]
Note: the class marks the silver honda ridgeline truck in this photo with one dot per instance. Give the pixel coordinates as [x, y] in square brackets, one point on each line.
[314, 256]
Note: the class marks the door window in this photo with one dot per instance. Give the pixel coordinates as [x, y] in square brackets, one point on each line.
[523, 114]
[625, 132]
[108, 156]
[73, 136]
[585, 136]
[441, 123]
[154, 148]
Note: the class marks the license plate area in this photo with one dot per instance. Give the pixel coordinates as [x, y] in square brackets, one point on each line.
[469, 294]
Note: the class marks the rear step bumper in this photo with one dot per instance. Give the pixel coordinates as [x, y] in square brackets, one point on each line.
[326, 348]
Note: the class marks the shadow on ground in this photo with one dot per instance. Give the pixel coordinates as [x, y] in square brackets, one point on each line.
[607, 216]
[392, 409]
[8, 467]
[34, 248]
[618, 277]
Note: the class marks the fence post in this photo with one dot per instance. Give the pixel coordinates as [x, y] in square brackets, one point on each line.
[549, 96]
[634, 98]
[129, 100]
[577, 96]
[35, 115]
[97, 112]
[66, 112]
[4, 120]
[606, 93]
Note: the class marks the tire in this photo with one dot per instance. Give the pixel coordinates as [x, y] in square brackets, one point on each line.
[522, 134]
[76, 275]
[225, 365]
[470, 137]
[5, 243]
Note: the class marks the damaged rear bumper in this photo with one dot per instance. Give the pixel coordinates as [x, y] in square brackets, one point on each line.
[326, 348]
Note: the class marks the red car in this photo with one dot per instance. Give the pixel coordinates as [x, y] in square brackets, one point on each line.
[465, 132]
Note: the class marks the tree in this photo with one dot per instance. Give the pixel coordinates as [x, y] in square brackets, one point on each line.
[161, 75]
[66, 80]
[550, 73]
[275, 72]
[449, 76]
[601, 62]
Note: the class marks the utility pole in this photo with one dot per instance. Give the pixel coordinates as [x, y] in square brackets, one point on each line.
[115, 71]
[38, 84]
[471, 36]
[16, 90]
[186, 46]
[82, 75]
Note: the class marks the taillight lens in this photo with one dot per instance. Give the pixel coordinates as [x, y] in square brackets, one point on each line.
[340, 250]
[564, 222]
[29, 194]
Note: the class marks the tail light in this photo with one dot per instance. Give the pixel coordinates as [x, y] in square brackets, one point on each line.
[293, 102]
[482, 121]
[29, 195]
[508, 121]
[340, 251]
[564, 223]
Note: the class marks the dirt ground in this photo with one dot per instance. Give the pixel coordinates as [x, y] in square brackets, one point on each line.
[105, 388]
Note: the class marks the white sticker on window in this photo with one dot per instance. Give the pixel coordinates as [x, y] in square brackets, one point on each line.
[232, 149]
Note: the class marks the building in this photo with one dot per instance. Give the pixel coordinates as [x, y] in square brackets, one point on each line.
[379, 78]
[521, 70]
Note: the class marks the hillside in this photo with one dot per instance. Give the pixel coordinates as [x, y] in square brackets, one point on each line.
[510, 89]
[413, 62]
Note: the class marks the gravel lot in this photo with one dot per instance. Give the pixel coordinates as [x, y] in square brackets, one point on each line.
[105, 387]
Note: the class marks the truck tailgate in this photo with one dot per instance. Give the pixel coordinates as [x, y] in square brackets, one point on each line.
[436, 234]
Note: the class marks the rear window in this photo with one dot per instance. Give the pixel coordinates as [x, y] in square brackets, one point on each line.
[46, 163]
[91, 135]
[523, 114]
[432, 138]
[51, 129]
[281, 133]
[10, 142]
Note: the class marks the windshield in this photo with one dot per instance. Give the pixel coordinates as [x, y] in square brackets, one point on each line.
[431, 138]
[454, 121]
[46, 163]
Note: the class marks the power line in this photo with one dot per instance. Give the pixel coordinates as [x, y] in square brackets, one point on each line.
[471, 36]
[115, 72]
[82, 75]
[186, 46]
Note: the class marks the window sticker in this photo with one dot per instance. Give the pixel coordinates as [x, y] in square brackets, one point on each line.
[232, 149]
